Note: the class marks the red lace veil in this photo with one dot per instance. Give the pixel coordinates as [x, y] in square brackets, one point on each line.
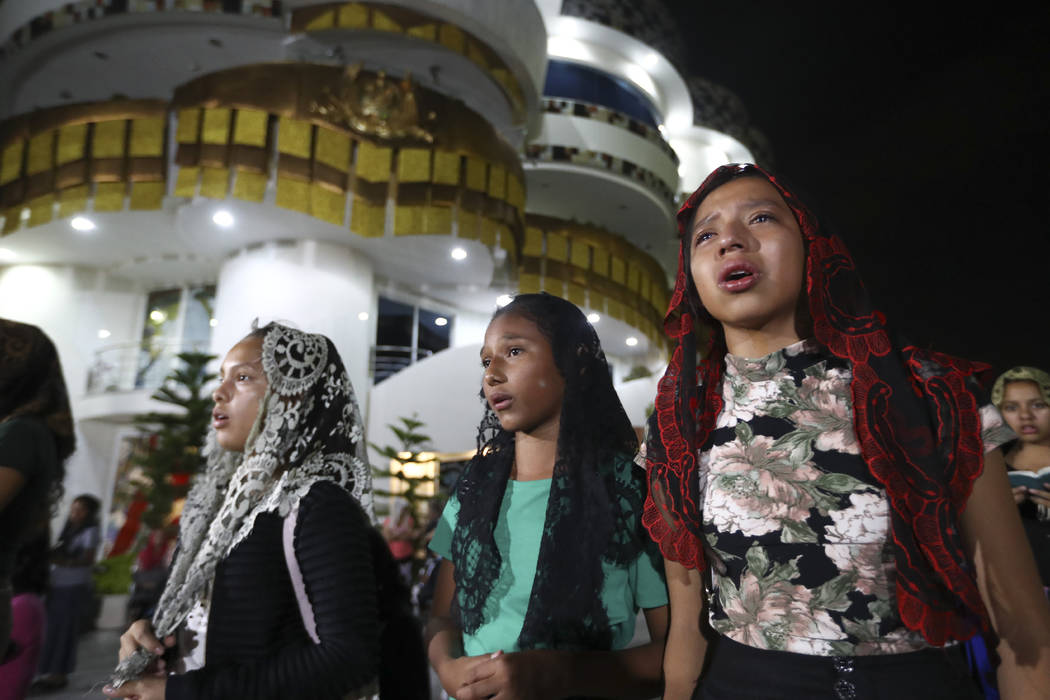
[915, 415]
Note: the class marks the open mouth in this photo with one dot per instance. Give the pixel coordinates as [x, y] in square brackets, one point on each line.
[500, 402]
[738, 277]
[219, 420]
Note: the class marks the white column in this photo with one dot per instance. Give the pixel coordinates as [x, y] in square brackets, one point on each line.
[315, 286]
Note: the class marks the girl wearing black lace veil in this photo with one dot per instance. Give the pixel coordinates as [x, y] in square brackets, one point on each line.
[272, 593]
[545, 563]
[838, 494]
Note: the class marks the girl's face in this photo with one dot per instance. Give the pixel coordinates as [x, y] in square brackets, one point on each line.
[1026, 412]
[522, 384]
[242, 384]
[79, 512]
[747, 257]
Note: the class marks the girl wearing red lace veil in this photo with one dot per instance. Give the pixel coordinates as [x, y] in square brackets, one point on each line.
[832, 502]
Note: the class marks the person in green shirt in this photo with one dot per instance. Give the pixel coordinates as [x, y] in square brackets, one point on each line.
[545, 560]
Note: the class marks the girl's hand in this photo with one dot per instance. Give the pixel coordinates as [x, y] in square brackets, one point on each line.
[453, 673]
[1020, 494]
[520, 675]
[1040, 496]
[151, 688]
[140, 636]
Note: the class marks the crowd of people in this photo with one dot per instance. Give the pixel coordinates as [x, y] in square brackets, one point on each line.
[818, 508]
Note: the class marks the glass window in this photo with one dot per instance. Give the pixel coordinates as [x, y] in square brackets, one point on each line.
[200, 312]
[585, 84]
[159, 333]
[435, 331]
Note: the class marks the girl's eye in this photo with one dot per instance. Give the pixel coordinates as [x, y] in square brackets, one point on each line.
[485, 363]
[1039, 404]
[1009, 407]
[243, 377]
[702, 236]
[760, 218]
[514, 352]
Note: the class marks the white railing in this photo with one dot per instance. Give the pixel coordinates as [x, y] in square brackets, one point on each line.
[134, 365]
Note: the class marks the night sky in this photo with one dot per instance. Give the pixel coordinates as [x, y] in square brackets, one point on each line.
[923, 138]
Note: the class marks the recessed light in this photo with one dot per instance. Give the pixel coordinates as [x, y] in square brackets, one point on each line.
[503, 299]
[458, 253]
[222, 218]
[440, 321]
[103, 333]
[631, 342]
[7, 255]
[82, 223]
[158, 316]
[24, 214]
[212, 322]
[593, 318]
[651, 59]
[363, 316]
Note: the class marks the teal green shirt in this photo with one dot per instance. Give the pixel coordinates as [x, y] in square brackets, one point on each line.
[518, 533]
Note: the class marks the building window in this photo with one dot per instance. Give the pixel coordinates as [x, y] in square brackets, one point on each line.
[581, 83]
[405, 334]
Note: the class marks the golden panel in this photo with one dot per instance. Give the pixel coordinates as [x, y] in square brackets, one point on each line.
[327, 205]
[216, 127]
[634, 278]
[108, 139]
[215, 182]
[581, 254]
[325, 20]
[528, 283]
[427, 32]
[533, 242]
[467, 224]
[438, 221]
[11, 161]
[618, 270]
[413, 165]
[249, 127]
[72, 140]
[614, 308]
[557, 247]
[498, 182]
[353, 15]
[294, 137]
[489, 230]
[147, 137]
[12, 220]
[384, 22]
[515, 192]
[476, 174]
[600, 263]
[577, 294]
[446, 168]
[452, 37]
[41, 210]
[186, 182]
[293, 194]
[554, 286]
[109, 196]
[373, 162]
[73, 200]
[333, 148]
[476, 54]
[408, 220]
[366, 219]
[250, 186]
[188, 126]
[147, 195]
[41, 153]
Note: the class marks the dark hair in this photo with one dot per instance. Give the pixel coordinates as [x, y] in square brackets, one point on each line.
[93, 505]
[588, 509]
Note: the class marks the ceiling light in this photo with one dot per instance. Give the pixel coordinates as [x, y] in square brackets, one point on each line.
[158, 316]
[503, 299]
[82, 223]
[593, 318]
[7, 255]
[440, 321]
[222, 218]
[459, 253]
[363, 316]
[103, 333]
[212, 322]
[631, 342]
[651, 59]
[24, 214]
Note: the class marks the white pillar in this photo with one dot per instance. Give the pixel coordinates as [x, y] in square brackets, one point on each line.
[315, 286]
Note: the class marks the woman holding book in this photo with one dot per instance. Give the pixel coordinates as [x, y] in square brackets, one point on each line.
[1023, 396]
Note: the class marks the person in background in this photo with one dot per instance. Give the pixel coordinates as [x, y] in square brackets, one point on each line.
[1023, 396]
[36, 438]
[28, 615]
[400, 530]
[69, 596]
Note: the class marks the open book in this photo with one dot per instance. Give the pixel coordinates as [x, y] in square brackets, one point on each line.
[1033, 480]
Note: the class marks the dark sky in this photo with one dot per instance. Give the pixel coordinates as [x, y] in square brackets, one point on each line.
[922, 137]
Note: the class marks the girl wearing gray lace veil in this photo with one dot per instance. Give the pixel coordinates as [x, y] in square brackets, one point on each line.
[272, 593]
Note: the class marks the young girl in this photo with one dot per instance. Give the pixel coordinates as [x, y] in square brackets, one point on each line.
[272, 592]
[545, 560]
[1023, 396]
[839, 496]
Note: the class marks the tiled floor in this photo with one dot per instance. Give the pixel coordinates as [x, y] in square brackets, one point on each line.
[96, 656]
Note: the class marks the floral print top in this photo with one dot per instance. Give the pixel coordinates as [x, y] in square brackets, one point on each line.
[797, 525]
